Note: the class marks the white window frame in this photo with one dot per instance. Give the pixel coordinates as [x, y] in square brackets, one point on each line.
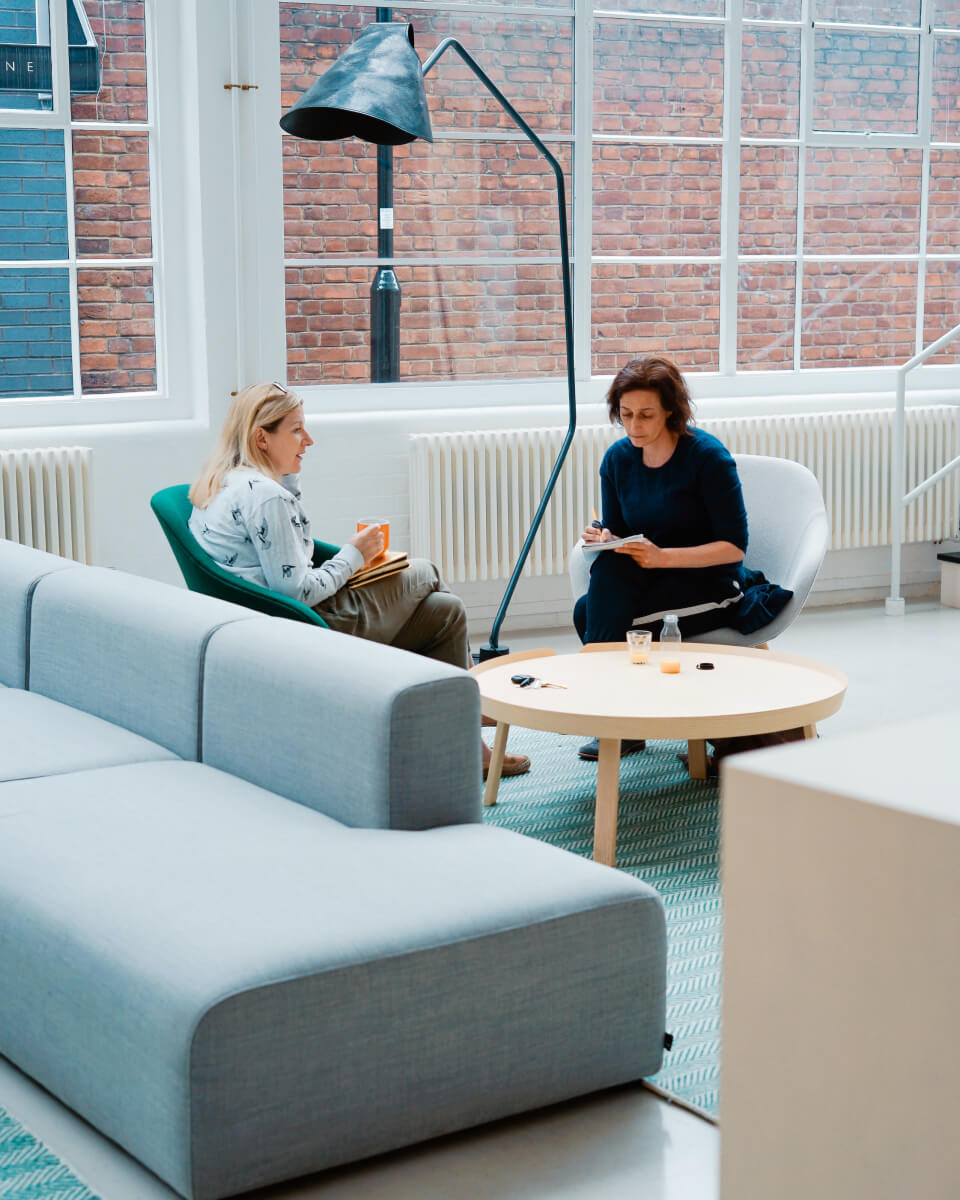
[805, 387]
[173, 325]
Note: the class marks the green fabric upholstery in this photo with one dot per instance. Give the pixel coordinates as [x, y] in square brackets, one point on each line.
[172, 509]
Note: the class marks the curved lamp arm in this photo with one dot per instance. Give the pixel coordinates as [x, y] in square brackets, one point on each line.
[493, 649]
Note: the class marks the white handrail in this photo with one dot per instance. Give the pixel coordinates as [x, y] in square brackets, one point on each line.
[894, 604]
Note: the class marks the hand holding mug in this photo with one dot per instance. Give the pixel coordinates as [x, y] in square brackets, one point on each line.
[370, 540]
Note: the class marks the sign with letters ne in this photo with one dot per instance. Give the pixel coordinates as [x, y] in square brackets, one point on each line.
[28, 68]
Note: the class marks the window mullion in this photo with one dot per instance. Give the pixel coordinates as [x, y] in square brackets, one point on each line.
[60, 61]
[924, 126]
[154, 168]
[62, 100]
[806, 120]
[730, 190]
[583, 189]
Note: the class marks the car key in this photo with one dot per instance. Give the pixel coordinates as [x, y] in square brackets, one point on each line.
[532, 681]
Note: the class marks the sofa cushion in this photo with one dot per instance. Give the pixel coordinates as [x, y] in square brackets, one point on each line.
[20, 568]
[237, 989]
[126, 649]
[42, 737]
[343, 724]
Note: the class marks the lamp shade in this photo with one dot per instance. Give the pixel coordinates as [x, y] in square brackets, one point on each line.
[374, 91]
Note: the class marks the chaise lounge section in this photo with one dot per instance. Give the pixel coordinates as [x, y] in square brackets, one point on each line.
[251, 925]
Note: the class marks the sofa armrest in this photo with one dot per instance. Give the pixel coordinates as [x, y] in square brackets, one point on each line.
[367, 734]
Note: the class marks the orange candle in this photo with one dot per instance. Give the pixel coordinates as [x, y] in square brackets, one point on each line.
[670, 666]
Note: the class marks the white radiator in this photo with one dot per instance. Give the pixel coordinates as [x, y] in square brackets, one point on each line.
[473, 495]
[45, 500]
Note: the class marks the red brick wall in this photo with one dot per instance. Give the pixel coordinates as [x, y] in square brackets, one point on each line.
[946, 88]
[865, 81]
[657, 80]
[770, 83]
[768, 200]
[111, 180]
[765, 316]
[656, 199]
[858, 314]
[450, 198]
[644, 309]
[458, 322]
[861, 201]
[475, 198]
[118, 27]
[942, 307]
[117, 347]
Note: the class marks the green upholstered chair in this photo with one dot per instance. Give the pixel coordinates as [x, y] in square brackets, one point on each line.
[172, 509]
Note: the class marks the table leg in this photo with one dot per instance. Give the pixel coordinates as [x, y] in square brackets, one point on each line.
[810, 731]
[608, 801]
[697, 759]
[496, 764]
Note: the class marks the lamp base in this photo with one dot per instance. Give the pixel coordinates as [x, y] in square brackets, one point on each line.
[487, 652]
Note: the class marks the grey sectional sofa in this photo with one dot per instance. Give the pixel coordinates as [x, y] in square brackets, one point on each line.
[251, 925]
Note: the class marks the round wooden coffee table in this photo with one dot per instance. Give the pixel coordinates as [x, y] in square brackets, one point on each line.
[609, 698]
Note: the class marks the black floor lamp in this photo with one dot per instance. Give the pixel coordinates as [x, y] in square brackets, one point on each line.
[374, 91]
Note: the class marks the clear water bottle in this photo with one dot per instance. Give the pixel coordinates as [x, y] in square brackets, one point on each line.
[670, 645]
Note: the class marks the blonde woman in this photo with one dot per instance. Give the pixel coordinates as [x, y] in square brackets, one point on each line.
[248, 518]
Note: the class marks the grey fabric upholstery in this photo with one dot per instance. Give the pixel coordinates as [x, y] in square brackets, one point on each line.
[788, 536]
[234, 986]
[308, 993]
[133, 653]
[343, 725]
[42, 737]
[21, 568]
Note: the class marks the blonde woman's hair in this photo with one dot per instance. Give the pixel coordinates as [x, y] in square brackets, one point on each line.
[259, 406]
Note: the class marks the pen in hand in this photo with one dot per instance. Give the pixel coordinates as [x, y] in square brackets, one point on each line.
[595, 523]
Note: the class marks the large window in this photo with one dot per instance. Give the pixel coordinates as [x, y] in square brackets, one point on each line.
[475, 230]
[78, 257]
[758, 186]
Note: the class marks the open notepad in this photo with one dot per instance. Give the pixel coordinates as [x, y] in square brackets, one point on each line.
[389, 563]
[596, 547]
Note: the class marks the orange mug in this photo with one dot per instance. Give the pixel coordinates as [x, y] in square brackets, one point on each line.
[384, 529]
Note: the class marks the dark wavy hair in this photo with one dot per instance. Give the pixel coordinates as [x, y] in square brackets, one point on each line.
[654, 374]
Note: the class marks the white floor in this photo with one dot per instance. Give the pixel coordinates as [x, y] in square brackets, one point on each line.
[620, 1144]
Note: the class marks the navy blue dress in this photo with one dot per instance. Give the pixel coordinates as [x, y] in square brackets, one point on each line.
[694, 498]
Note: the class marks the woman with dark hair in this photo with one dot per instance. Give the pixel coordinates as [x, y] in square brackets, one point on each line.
[677, 486]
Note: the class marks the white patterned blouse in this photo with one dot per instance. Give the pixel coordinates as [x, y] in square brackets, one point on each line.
[256, 528]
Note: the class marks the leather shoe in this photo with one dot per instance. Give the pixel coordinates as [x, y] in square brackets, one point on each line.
[513, 764]
[591, 750]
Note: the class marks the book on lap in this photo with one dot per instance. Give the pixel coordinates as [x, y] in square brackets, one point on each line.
[391, 562]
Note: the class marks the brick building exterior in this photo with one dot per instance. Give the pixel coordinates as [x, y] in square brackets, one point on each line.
[650, 200]
[479, 194]
[112, 217]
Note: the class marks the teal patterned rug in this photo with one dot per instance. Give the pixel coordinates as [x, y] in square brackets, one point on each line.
[29, 1171]
[667, 837]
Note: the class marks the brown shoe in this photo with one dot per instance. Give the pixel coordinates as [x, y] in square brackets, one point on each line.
[513, 764]
[488, 722]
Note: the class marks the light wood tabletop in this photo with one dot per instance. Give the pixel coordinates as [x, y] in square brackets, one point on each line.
[606, 696]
